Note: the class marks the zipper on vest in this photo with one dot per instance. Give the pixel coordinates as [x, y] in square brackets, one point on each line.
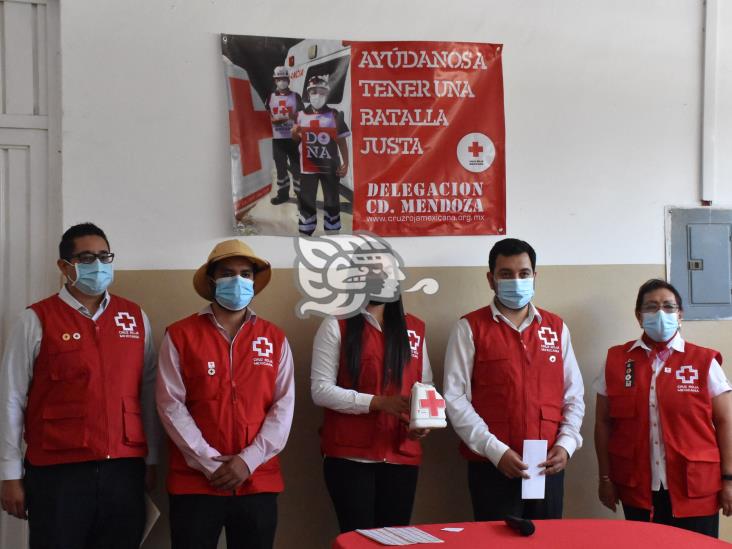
[104, 387]
[524, 384]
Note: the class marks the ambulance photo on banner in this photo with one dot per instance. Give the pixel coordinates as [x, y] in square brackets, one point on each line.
[394, 138]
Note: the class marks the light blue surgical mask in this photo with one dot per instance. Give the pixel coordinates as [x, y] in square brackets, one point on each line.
[660, 326]
[234, 292]
[92, 278]
[515, 293]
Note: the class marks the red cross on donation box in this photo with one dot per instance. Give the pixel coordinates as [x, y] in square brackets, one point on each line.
[428, 408]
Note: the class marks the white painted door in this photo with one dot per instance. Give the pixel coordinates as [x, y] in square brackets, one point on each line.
[30, 209]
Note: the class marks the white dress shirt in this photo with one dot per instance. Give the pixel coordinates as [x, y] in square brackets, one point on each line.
[326, 362]
[182, 428]
[469, 426]
[21, 351]
[324, 386]
[717, 384]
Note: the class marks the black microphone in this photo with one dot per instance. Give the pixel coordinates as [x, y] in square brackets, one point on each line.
[523, 526]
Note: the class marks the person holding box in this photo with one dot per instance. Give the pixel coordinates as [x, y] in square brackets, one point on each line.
[363, 370]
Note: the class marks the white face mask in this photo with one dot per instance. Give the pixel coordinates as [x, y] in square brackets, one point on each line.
[282, 84]
[317, 100]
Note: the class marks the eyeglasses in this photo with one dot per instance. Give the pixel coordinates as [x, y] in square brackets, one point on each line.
[655, 307]
[88, 257]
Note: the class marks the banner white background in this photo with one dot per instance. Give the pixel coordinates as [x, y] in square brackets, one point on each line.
[603, 103]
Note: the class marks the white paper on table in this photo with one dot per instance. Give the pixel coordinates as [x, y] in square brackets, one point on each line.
[152, 513]
[453, 529]
[399, 536]
[534, 454]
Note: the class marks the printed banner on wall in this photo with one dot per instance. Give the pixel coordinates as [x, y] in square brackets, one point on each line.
[394, 138]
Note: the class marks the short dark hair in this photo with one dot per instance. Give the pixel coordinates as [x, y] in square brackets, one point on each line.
[651, 286]
[66, 246]
[508, 247]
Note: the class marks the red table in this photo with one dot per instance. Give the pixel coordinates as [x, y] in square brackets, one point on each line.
[549, 534]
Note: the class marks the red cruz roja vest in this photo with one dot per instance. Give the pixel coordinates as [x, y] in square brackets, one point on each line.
[84, 398]
[229, 390]
[318, 143]
[518, 379]
[283, 104]
[376, 436]
[693, 472]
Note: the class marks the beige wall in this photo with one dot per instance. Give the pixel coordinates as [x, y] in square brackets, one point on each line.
[596, 302]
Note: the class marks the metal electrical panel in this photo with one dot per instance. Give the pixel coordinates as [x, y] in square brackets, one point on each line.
[699, 261]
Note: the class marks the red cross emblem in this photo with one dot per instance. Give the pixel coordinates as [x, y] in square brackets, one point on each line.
[475, 149]
[433, 403]
[283, 108]
[247, 126]
[414, 341]
[125, 321]
[262, 346]
[314, 123]
[687, 374]
[548, 336]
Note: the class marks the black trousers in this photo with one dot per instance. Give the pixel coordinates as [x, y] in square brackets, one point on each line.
[370, 495]
[707, 525]
[286, 156]
[89, 505]
[494, 495]
[249, 521]
[307, 202]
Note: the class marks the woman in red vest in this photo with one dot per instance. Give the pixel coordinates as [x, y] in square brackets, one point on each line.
[663, 430]
[362, 372]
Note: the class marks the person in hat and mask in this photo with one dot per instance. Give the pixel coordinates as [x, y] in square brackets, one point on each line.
[321, 132]
[225, 395]
[283, 104]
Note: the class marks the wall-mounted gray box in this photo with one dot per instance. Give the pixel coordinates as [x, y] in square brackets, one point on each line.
[699, 260]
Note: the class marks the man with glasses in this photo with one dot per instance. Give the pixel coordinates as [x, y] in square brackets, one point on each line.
[663, 422]
[77, 383]
[511, 375]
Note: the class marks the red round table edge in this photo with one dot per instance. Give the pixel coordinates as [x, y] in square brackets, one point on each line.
[564, 533]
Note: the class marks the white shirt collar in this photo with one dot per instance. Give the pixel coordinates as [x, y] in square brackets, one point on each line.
[65, 295]
[533, 314]
[676, 343]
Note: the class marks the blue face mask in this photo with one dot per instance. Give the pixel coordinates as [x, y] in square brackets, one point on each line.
[93, 278]
[660, 326]
[515, 293]
[234, 292]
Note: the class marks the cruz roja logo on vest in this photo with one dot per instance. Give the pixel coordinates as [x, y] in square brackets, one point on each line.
[549, 340]
[414, 340]
[264, 349]
[128, 325]
[687, 375]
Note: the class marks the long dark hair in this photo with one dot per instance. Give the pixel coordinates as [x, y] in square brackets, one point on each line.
[396, 344]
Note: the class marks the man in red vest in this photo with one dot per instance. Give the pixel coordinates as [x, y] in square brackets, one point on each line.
[511, 375]
[225, 396]
[77, 381]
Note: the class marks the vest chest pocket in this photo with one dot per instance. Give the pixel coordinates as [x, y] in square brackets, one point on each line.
[622, 406]
[64, 426]
[492, 372]
[132, 421]
[68, 365]
[202, 387]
